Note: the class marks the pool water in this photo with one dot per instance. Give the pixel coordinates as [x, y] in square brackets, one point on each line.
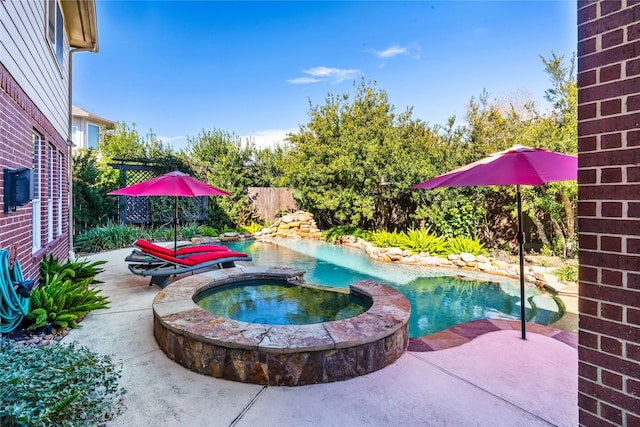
[439, 297]
[276, 302]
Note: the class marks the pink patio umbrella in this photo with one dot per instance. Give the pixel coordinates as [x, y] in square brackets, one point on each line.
[175, 184]
[517, 166]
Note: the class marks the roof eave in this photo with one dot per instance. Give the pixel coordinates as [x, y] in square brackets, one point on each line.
[82, 23]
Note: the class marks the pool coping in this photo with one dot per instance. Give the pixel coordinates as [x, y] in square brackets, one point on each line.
[463, 333]
[175, 309]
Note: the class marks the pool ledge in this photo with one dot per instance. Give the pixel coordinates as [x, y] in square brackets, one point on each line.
[274, 354]
[465, 332]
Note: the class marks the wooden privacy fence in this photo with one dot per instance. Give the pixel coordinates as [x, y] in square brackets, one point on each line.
[268, 201]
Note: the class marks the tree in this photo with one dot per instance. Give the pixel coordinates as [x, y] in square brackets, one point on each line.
[354, 162]
[224, 161]
[91, 183]
[493, 127]
[122, 142]
[559, 130]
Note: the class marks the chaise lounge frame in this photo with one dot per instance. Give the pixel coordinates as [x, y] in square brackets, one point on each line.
[160, 266]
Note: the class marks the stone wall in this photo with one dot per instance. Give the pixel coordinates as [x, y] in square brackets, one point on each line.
[298, 224]
[538, 275]
[289, 355]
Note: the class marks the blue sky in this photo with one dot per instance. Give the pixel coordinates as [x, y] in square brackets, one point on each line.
[251, 68]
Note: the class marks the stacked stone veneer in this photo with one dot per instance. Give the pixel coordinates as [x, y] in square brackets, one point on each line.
[609, 212]
[298, 224]
[278, 355]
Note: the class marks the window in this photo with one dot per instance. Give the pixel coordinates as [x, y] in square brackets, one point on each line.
[55, 30]
[93, 136]
[37, 190]
[74, 135]
[50, 174]
[60, 188]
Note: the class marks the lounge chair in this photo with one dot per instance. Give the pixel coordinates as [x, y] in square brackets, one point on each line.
[146, 246]
[161, 266]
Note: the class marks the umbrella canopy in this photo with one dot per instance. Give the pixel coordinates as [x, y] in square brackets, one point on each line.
[171, 184]
[177, 184]
[517, 166]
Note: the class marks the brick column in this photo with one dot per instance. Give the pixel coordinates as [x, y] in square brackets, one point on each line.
[609, 212]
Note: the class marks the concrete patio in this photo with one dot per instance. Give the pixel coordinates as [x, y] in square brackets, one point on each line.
[496, 379]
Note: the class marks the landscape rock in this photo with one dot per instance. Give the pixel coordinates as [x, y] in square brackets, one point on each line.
[467, 257]
[299, 224]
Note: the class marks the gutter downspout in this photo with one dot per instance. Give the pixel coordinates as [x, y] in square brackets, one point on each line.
[70, 144]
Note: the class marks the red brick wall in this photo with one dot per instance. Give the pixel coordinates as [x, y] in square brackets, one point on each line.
[19, 117]
[609, 212]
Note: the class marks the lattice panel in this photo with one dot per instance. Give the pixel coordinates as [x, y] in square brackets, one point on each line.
[158, 209]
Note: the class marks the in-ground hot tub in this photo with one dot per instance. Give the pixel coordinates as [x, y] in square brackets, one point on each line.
[278, 354]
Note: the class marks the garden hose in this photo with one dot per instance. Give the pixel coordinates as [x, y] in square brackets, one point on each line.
[13, 307]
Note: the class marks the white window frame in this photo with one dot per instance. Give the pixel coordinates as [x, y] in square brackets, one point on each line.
[74, 135]
[89, 136]
[50, 175]
[36, 217]
[55, 31]
[60, 188]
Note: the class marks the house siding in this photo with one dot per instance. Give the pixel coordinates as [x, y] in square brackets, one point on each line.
[26, 54]
[33, 98]
[609, 212]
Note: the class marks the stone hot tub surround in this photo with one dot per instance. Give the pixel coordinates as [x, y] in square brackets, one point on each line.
[278, 354]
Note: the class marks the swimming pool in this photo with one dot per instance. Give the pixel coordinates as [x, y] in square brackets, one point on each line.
[439, 297]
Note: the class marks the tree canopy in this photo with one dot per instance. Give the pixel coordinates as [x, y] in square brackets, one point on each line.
[354, 161]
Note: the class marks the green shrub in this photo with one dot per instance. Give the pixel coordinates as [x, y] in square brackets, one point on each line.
[209, 232]
[64, 295]
[422, 241]
[335, 233]
[78, 270]
[463, 218]
[546, 251]
[188, 231]
[162, 234]
[227, 229]
[63, 302]
[57, 385]
[385, 239]
[567, 273]
[470, 245]
[254, 227]
[109, 237]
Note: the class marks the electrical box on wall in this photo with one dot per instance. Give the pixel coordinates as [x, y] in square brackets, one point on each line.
[18, 188]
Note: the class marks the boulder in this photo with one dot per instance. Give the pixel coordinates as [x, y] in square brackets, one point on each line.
[482, 259]
[485, 266]
[467, 257]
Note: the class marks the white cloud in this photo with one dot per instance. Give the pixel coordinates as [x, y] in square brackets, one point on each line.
[392, 51]
[324, 74]
[268, 138]
[413, 51]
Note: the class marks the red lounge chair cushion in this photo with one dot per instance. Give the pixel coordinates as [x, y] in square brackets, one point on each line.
[197, 259]
[147, 246]
[205, 257]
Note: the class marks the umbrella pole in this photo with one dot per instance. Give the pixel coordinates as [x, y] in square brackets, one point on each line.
[520, 238]
[175, 229]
